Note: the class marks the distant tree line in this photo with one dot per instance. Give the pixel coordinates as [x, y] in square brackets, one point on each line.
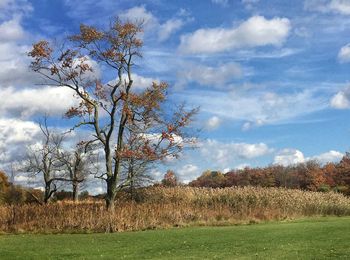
[310, 175]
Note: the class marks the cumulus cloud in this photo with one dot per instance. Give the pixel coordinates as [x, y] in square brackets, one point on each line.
[256, 31]
[169, 27]
[341, 100]
[151, 23]
[14, 65]
[29, 101]
[326, 6]
[257, 107]
[15, 135]
[331, 156]
[344, 54]
[213, 123]
[140, 14]
[224, 153]
[11, 30]
[209, 76]
[290, 156]
[188, 172]
[13, 59]
[287, 157]
[140, 82]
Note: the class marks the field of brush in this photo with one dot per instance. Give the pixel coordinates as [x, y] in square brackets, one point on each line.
[158, 208]
[311, 238]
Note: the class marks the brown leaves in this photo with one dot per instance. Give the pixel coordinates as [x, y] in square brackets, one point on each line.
[54, 70]
[73, 112]
[40, 50]
[151, 98]
[145, 152]
[125, 30]
[87, 34]
[85, 107]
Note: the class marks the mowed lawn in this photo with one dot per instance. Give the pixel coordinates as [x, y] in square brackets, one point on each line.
[304, 239]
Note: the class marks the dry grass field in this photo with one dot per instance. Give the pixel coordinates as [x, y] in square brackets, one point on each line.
[173, 207]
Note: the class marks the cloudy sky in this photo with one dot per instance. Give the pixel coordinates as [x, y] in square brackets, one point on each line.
[271, 77]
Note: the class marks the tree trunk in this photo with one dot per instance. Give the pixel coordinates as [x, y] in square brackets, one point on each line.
[111, 194]
[47, 193]
[75, 191]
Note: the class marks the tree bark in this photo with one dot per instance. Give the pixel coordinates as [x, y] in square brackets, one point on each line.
[47, 193]
[75, 191]
[111, 194]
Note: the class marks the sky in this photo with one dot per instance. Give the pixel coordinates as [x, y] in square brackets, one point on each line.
[271, 77]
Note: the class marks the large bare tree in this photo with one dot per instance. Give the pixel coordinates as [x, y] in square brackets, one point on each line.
[116, 113]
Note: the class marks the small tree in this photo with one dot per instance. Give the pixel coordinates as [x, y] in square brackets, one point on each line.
[42, 160]
[113, 110]
[170, 179]
[4, 186]
[78, 164]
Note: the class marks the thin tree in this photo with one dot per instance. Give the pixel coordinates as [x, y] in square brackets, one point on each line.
[78, 164]
[42, 160]
[111, 108]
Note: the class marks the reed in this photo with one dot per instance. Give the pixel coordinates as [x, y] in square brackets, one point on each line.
[160, 207]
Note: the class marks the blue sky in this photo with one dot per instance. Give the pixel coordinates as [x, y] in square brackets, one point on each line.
[271, 78]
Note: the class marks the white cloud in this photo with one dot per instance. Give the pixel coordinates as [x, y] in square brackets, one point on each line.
[13, 59]
[27, 102]
[140, 82]
[169, 27]
[242, 166]
[209, 76]
[188, 169]
[341, 100]
[17, 131]
[15, 135]
[344, 54]
[140, 14]
[213, 123]
[226, 153]
[22, 179]
[249, 3]
[302, 32]
[12, 8]
[326, 6]
[11, 30]
[256, 31]
[293, 156]
[331, 156]
[188, 172]
[150, 22]
[220, 2]
[257, 107]
[287, 157]
[14, 65]
[249, 125]
[96, 190]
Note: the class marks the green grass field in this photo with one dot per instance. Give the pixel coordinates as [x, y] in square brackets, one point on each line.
[304, 239]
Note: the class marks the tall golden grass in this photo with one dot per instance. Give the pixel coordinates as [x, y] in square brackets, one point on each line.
[168, 207]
